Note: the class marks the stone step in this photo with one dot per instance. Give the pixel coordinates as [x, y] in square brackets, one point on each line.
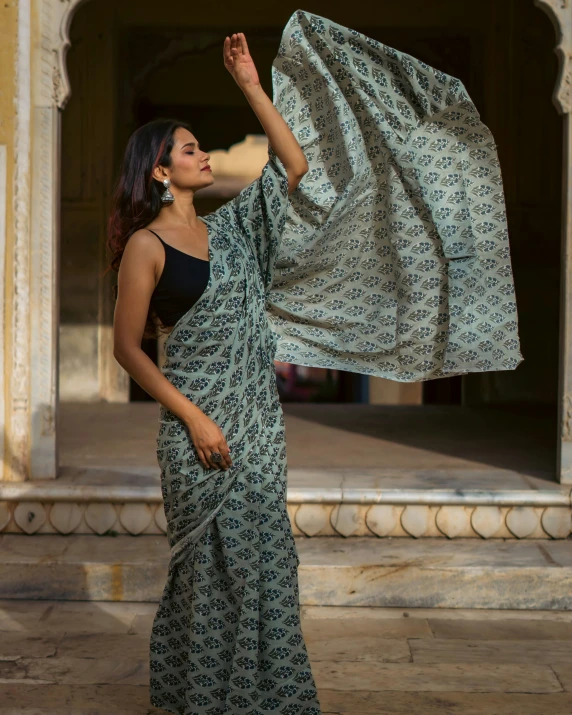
[382, 502]
[389, 572]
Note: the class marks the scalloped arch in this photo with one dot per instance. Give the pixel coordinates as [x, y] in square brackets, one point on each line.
[560, 12]
[56, 17]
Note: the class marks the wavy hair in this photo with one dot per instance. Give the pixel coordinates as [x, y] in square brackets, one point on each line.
[136, 198]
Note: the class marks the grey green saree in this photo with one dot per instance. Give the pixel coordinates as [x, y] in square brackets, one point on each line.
[226, 637]
[391, 258]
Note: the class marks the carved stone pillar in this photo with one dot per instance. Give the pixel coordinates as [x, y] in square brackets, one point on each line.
[50, 91]
[41, 92]
[560, 12]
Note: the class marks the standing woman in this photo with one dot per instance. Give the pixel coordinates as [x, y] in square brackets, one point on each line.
[390, 259]
[226, 637]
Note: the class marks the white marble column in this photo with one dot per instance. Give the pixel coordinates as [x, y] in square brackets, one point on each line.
[42, 90]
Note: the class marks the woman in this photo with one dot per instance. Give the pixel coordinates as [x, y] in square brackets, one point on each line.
[226, 637]
[390, 258]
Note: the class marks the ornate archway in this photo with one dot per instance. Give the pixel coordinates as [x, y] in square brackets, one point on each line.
[43, 90]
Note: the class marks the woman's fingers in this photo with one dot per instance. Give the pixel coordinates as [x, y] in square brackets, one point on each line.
[205, 455]
[223, 450]
[226, 456]
[228, 53]
[203, 459]
[206, 459]
[243, 44]
[233, 46]
[210, 440]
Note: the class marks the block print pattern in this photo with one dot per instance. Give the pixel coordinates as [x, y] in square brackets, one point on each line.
[394, 260]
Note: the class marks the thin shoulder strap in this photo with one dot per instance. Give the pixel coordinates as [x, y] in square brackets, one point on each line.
[156, 234]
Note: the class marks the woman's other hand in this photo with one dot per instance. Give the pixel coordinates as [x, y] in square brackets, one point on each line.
[238, 61]
[208, 437]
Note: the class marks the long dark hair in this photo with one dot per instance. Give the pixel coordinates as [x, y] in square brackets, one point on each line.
[136, 199]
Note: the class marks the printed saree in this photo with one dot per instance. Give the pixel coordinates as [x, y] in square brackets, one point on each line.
[391, 258]
[394, 260]
[226, 637]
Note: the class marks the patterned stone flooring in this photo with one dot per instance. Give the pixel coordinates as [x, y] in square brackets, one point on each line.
[90, 658]
[447, 438]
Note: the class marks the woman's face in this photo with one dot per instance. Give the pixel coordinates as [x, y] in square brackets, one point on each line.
[189, 164]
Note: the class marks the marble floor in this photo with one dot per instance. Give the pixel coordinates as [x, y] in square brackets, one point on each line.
[397, 446]
[91, 658]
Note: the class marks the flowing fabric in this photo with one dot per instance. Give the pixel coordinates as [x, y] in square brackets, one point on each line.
[391, 258]
[394, 260]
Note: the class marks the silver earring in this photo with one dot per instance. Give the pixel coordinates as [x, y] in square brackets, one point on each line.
[167, 197]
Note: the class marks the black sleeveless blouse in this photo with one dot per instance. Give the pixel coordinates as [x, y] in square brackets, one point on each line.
[182, 282]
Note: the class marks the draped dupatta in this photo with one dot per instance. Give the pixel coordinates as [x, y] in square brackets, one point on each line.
[393, 259]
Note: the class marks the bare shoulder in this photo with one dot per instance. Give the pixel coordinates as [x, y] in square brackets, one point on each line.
[142, 246]
[142, 238]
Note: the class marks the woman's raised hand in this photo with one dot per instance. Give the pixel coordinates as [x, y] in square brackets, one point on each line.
[238, 61]
[208, 437]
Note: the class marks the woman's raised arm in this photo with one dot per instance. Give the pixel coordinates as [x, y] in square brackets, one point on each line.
[240, 64]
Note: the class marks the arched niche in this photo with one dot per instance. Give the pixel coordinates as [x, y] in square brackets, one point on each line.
[42, 92]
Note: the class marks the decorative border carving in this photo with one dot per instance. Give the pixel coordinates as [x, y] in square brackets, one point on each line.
[44, 317]
[308, 519]
[18, 441]
[35, 517]
[3, 356]
[560, 12]
[56, 25]
[421, 520]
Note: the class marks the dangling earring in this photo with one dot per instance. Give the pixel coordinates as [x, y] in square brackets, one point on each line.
[167, 197]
